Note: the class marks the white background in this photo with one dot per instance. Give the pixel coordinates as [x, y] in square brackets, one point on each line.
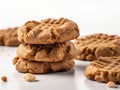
[92, 16]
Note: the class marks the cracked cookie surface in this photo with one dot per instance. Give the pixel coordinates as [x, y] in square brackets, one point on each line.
[26, 66]
[94, 46]
[46, 53]
[48, 31]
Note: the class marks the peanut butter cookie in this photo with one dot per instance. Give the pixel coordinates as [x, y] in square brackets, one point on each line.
[48, 31]
[93, 46]
[47, 52]
[8, 37]
[26, 66]
[105, 69]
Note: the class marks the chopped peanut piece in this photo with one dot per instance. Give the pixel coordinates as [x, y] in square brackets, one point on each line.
[29, 77]
[4, 78]
[111, 84]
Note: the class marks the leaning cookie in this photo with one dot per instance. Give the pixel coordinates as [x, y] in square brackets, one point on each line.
[48, 31]
[104, 69]
[26, 66]
[93, 46]
[8, 37]
[47, 53]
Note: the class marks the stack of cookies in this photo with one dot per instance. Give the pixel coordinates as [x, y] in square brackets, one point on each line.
[45, 46]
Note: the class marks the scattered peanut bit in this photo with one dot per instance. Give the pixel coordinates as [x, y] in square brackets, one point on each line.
[29, 77]
[4, 78]
[111, 84]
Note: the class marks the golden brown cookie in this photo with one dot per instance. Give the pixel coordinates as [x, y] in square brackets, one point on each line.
[48, 31]
[47, 52]
[8, 37]
[26, 66]
[104, 69]
[93, 46]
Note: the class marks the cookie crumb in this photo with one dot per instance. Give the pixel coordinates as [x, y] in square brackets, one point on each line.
[29, 77]
[4, 78]
[111, 84]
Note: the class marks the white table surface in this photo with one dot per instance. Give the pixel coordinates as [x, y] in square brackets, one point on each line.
[71, 80]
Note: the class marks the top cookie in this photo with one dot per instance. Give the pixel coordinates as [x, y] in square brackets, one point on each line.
[48, 31]
[93, 46]
[9, 37]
